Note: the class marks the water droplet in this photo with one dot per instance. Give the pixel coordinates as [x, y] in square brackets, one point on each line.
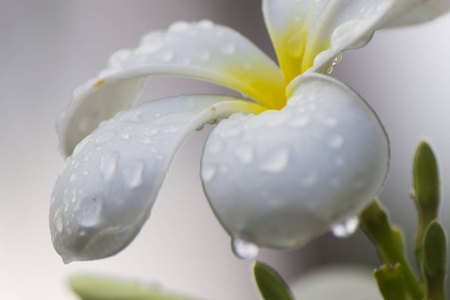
[105, 137]
[88, 210]
[59, 224]
[125, 136]
[151, 43]
[87, 158]
[208, 173]
[118, 57]
[179, 27]
[146, 141]
[133, 116]
[133, 173]
[108, 165]
[244, 153]
[330, 122]
[347, 228]
[300, 121]
[230, 132]
[277, 119]
[276, 160]
[150, 132]
[73, 177]
[228, 48]
[243, 249]
[336, 141]
[205, 24]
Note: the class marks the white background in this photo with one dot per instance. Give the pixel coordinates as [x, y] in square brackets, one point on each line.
[47, 48]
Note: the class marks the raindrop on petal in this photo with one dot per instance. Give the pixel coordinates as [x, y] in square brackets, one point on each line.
[335, 142]
[275, 161]
[108, 165]
[133, 173]
[105, 137]
[58, 220]
[347, 228]
[208, 173]
[243, 249]
[88, 211]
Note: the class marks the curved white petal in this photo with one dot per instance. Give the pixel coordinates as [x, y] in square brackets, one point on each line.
[106, 190]
[301, 29]
[198, 50]
[281, 178]
[410, 12]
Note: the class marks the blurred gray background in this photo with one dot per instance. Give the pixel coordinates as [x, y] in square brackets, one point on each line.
[47, 48]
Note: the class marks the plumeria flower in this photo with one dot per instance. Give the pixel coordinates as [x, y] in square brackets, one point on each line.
[301, 154]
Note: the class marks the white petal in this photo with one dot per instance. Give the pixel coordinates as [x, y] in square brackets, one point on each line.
[301, 29]
[281, 178]
[198, 50]
[107, 188]
[410, 12]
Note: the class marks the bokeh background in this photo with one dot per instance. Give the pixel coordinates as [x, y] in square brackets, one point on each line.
[47, 48]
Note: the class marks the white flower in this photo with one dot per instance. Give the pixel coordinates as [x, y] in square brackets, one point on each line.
[306, 154]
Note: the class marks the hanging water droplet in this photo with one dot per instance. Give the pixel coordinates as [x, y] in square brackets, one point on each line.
[133, 173]
[88, 211]
[58, 221]
[276, 160]
[108, 165]
[243, 249]
[347, 228]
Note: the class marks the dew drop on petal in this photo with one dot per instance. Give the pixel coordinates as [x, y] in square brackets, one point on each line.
[208, 173]
[108, 165]
[244, 153]
[105, 137]
[347, 228]
[275, 161]
[228, 48]
[133, 173]
[133, 116]
[300, 121]
[243, 249]
[205, 24]
[88, 211]
[179, 27]
[125, 136]
[336, 141]
[58, 220]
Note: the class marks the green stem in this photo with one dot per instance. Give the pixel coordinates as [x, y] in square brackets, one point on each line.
[389, 243]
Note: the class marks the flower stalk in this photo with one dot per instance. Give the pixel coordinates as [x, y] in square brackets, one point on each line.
[390, 245]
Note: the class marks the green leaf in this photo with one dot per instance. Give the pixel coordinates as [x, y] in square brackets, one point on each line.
[270, 283]
[89, 287]
[390, 282]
